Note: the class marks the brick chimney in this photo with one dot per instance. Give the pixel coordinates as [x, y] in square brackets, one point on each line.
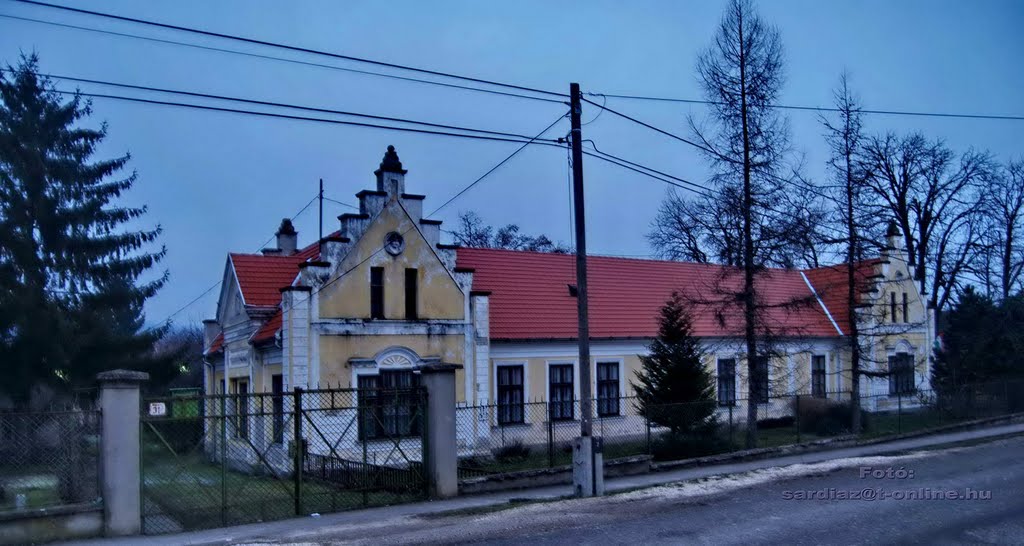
[287, 238]
[211, 329]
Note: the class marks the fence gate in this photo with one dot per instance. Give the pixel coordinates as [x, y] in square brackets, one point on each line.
[218, 460]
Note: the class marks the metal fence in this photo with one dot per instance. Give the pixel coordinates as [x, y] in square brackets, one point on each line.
[49, 458]
[217, 460]
[494, 439]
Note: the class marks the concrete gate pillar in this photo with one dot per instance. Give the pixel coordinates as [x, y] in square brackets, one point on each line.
[440, 456]
[119, 451]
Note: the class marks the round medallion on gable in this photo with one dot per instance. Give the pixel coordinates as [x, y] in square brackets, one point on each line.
[394, 243]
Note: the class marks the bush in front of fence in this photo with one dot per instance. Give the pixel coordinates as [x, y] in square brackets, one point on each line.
[825, 417]
[511, 452]
[673, 446]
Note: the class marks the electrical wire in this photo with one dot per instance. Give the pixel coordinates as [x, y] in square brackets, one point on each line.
[341, 203]
[269, 103]
[450, 200]
[1002, 117]
[280, 59]
[288, 116]
[431, 72]
[802, 187]
[168, 318]
[299, 49]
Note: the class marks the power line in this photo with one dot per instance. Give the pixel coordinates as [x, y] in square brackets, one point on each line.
[289, 47]
[672, 180]
[291, 117]
[804, 187]
[445, 204]
[820, 108]
[431, 72]
[660, 130]
[498, 165]
[341, 203]
[168, 318]
[281, 59]
[269, 103]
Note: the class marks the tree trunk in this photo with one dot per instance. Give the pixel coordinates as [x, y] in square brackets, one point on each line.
[749, 311]
[851, 295]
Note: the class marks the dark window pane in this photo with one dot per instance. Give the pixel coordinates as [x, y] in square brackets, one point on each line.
[818, 376]
[607, 389]
[561, 396]
[901, 374]
[377, 292]
[510, 394]
[759, 381]
[389, 405]
[277, 390]
[726, 382]
[411, 293]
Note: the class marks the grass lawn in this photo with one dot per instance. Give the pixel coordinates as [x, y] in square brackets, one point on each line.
[891, 423]
[189, 492]
[40, 490]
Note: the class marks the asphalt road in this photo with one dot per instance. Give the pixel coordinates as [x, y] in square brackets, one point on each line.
[760, 507]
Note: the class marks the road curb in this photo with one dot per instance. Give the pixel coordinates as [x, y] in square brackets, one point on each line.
[829, 444]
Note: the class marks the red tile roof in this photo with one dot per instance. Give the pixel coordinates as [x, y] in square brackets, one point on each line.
[261, 277]
[530, 297]
[830, 283]
[217, 345]
[269, 328]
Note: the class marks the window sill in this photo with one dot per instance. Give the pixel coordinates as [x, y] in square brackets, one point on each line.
[523, 424]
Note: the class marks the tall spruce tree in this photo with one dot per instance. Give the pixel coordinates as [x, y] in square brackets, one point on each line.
[71, 293]
[674, 389]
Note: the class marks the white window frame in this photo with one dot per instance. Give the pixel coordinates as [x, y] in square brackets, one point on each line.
[575, 384]
[622, 383]
[525, 364]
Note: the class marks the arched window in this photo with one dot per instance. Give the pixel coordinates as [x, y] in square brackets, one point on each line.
[389, 400]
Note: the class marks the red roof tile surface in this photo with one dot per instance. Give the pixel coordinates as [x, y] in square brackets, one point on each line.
[830, 283]
[530, 297]
[269, 328]
[217, 345]
[262, 277]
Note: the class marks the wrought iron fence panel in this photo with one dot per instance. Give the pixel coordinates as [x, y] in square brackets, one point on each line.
[228, 459]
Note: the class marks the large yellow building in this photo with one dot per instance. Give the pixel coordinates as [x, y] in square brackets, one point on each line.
[368, 305]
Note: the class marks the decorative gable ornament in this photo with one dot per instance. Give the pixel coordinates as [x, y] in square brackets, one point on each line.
[396, 361]
[394, 243]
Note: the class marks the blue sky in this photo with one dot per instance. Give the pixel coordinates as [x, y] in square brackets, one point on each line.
[219, 182]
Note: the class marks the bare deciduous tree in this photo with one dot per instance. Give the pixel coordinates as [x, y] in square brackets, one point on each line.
[845, 139]
[1001, 260]
[746, 141]
[473, 232]
[935, 197]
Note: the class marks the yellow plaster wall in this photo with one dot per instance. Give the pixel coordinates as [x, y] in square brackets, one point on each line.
[349, 297]
[335, 352]
[899, 281]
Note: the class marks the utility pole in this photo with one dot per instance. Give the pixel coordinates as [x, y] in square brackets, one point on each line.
[320, 241]
[588, 472]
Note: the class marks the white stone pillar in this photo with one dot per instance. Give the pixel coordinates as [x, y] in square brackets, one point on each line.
[120, 452]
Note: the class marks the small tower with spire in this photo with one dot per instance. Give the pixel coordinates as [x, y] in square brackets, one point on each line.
[391, 175]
